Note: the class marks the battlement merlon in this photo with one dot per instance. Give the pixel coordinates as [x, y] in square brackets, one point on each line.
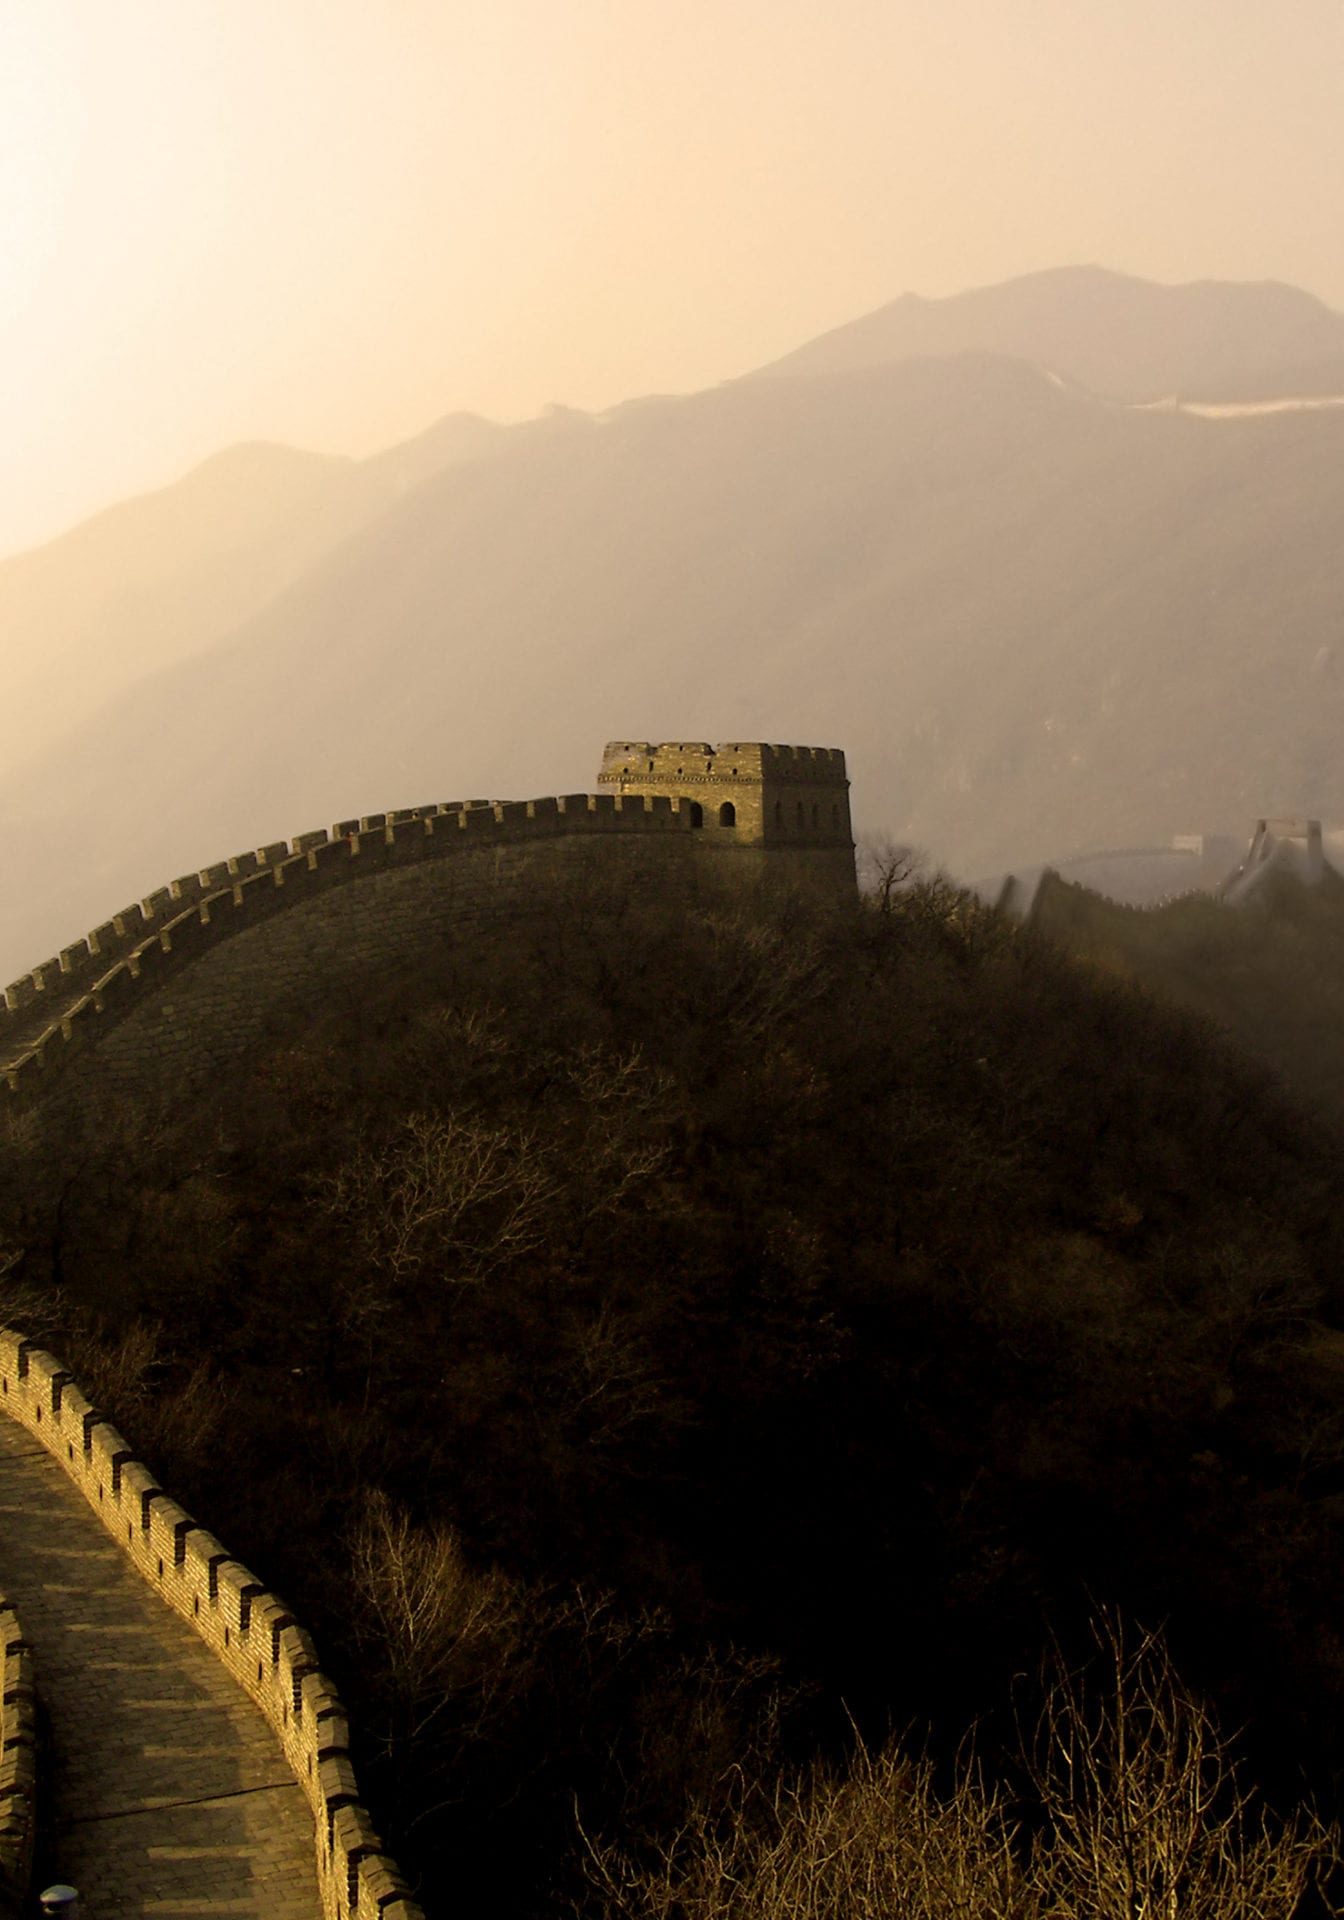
[729, 763]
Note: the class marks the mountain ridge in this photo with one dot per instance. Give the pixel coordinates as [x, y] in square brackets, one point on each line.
[1122, 337]
[909, 523]
[1031, 616]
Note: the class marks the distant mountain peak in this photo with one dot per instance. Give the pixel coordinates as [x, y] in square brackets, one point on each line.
[1122, 337]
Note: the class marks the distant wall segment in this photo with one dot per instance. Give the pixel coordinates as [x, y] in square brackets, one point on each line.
[173, 987]
[251, 1631]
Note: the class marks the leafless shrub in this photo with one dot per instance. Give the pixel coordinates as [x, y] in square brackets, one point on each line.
[1137, 1812]
[1147, 1817]
[35, 1310]
[119, 1373]
[867, 1843]
[446, 1638]
[171, 1420]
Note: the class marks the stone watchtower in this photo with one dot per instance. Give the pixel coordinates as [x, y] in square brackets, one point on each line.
[790, 803]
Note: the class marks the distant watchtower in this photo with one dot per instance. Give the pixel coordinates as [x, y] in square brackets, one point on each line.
[791, 802]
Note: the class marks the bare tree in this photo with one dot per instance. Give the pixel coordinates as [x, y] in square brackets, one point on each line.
[885, 867]
[444, 1637]
[446, 1188]
[608, 1386]
[622, 1099]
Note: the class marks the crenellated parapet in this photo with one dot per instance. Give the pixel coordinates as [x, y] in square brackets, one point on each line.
[153, 992]
[248, 1628]
[18, 1763]
[29, 998]
[74, 999]
[697, 762]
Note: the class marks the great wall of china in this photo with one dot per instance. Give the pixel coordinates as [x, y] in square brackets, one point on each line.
[187, 978]
[248, 1629]
[176, 984]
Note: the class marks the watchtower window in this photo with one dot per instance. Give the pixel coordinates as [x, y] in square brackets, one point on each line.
[801, 821]
[727, 814]
[697, 814]
[779, 813]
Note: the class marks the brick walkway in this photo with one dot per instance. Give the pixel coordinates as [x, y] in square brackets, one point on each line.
[167, 1793]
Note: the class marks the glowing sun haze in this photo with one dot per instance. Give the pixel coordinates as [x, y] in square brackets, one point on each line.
[330, 221]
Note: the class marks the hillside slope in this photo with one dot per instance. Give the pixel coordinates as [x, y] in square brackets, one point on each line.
[162, 577]
[1269, 973]
[634, 1312]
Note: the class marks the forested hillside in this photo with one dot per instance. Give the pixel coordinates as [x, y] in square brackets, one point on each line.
[1270, 975]
[657, 1345]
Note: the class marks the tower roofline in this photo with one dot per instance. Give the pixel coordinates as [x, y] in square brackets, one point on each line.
[725, 760]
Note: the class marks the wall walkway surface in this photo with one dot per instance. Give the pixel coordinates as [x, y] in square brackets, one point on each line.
[167, 1793]
[172, 1793]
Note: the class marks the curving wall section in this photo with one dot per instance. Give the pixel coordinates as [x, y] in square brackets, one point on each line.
[18, 1763]
[251, 1631]
[361, 895]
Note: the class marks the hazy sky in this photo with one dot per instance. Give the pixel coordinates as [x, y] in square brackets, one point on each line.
[330, 221]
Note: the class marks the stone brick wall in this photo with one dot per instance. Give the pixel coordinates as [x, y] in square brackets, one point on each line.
[18, 1764]
[427, 861]
[168, 990]
[249, 1629]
